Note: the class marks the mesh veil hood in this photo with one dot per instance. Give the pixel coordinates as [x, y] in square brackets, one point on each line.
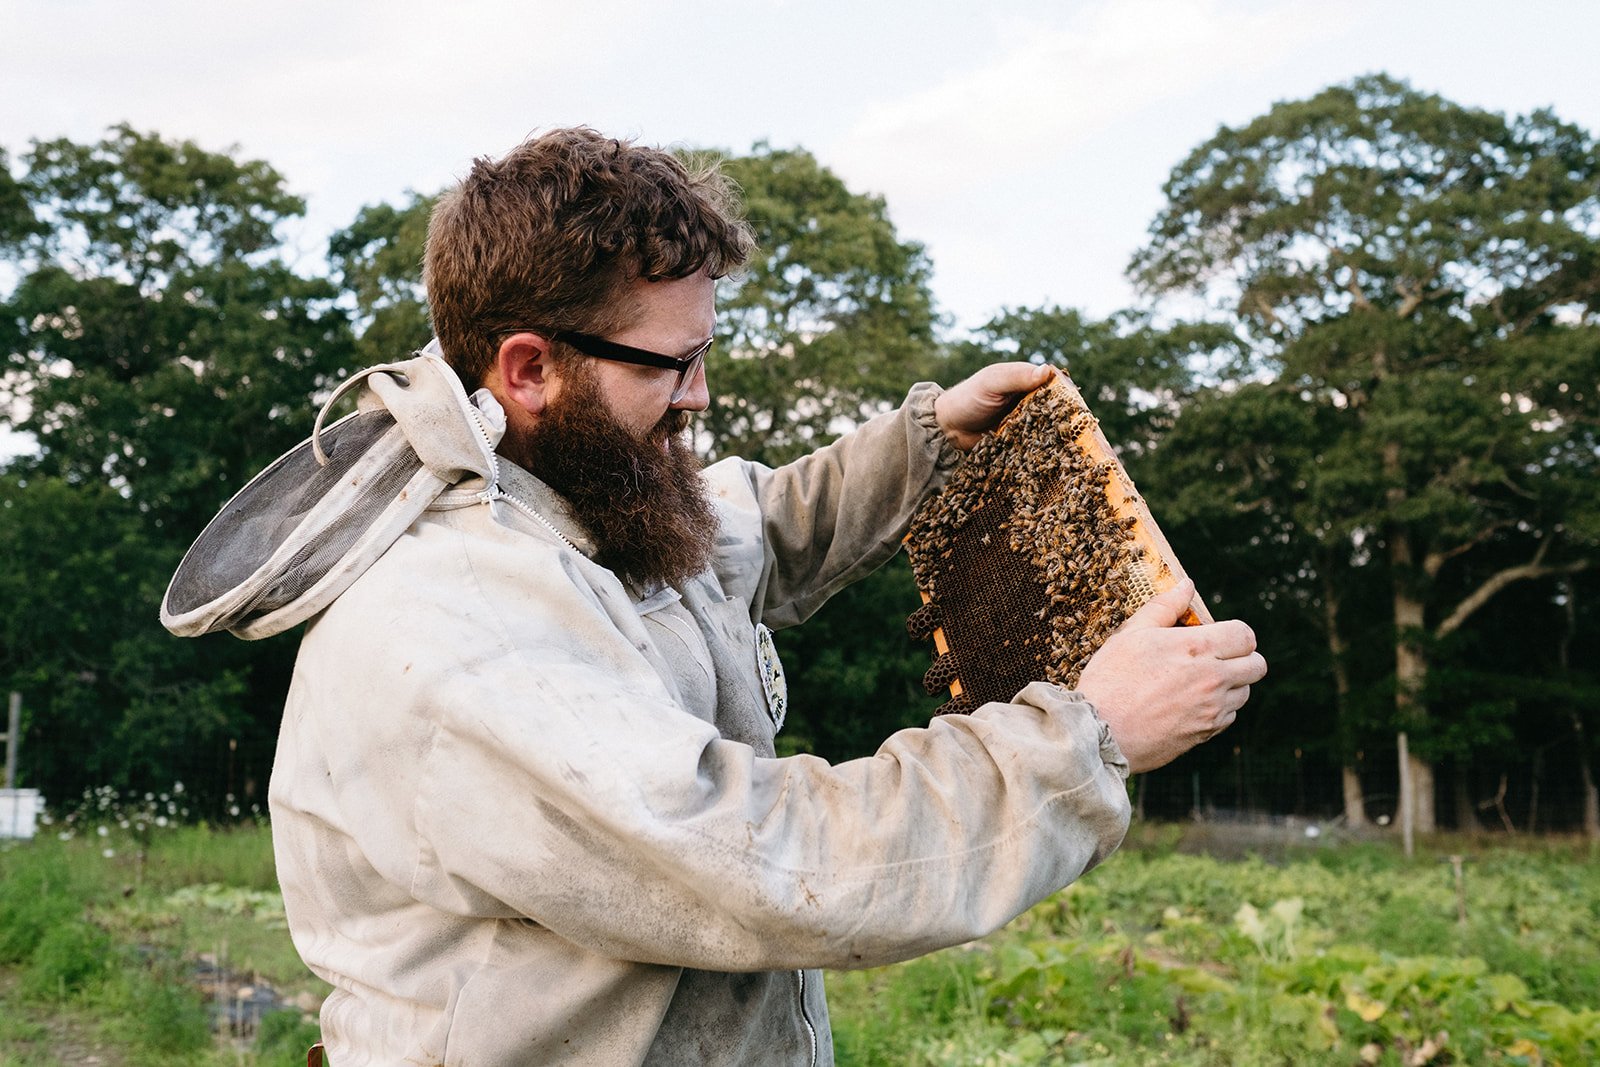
[302, 530]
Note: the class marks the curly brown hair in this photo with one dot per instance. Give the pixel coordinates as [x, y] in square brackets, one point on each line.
[555, 233]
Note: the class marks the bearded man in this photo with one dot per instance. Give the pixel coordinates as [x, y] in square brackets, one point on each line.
[525, 803]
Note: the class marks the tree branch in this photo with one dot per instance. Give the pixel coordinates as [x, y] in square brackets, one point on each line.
[1264, 308]
[1433, 561]
[1354, 288]
[1485, 592]
[1415, 295]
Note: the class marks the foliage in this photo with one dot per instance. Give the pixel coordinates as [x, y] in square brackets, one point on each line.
[853, 672]
[378, 262]
[1167, 958]
[1393, 403]
[829, 323]
[102, 933]
[283, 1038]
[160, 351]
[68, 959]
[153, 1009]
[33, 901]
[1331, 955]
[1418, 283]
[1134, 375]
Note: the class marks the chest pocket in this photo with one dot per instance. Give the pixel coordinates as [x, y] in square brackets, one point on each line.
[682, 653]
[752, 699]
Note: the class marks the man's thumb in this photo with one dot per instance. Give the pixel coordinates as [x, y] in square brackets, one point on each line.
[1163, 609]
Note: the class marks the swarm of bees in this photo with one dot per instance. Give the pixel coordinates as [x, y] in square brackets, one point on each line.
[1025, 562]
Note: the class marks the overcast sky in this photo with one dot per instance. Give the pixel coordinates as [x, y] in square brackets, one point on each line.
[1024, 142]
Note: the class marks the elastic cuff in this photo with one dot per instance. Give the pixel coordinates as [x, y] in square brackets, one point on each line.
[919, 402]
[1110, 751]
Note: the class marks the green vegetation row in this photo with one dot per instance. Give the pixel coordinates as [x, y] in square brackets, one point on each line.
[1346, 954]
[1338, 957]
[130, 945]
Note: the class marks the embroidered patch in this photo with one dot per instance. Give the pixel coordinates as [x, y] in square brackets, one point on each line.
[770, 667]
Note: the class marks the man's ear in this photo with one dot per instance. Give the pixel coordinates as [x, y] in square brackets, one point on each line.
[521, 374]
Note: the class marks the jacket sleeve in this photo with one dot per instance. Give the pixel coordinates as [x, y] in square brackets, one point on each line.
[795, 535]
[559, 782]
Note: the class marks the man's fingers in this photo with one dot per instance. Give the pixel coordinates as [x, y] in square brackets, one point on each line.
[1244, 670]
[972, 407]
[1226, 719]
[1007, 380]
[1163, 609]
[1230, 639]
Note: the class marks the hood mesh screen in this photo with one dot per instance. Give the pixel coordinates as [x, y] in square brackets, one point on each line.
[273, 509]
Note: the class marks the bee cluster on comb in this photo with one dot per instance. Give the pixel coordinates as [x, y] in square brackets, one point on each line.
[1032, 554]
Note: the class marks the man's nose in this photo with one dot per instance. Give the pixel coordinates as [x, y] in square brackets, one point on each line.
[698, 398]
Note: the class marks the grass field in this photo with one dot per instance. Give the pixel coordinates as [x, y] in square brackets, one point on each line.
[166, 945]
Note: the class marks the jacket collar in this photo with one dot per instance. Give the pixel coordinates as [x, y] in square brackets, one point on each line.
[526, 489]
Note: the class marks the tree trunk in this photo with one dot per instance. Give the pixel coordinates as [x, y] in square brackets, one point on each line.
[1355, 802]
[1424, 820]
[1355, 805]
[1408, 805]
[1411, 673]
[1591, 795]
[1466, 811]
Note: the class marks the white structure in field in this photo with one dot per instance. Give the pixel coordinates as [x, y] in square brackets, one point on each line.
[19, 812]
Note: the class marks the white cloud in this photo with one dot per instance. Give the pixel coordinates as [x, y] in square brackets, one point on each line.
[1023, 140]
[1054, 86]
[1015, 170]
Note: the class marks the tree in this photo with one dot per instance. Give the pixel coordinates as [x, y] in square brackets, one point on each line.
[829, 322]
[1233, 477]
[378, 261]
[160, 351]
[1134, 374]
[1428, 277]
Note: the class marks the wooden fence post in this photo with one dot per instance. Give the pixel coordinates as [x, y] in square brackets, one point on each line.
[1407, 801]
[12, 737]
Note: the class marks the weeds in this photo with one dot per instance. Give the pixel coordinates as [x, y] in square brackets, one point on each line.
[1345, 956]
[103, 925]
[1164, 958]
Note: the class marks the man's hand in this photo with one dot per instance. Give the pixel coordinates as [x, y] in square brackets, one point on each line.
[965, 411]
[1163, 688]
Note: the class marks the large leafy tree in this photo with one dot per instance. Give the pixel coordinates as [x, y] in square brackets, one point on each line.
[829, 322]
[160, 351]
[1134, 374]
[1427, 276]
[1233, 477]
[377, 260]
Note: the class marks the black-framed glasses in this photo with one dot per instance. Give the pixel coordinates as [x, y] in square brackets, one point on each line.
[598, 347]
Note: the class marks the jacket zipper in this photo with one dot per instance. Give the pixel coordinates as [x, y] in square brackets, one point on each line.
[494, 492]
[811, 1030]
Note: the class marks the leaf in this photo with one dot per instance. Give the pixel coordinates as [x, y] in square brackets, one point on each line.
[1248, 921]
[1368, 1009]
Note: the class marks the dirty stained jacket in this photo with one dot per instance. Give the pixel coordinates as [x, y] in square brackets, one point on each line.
[526, 814]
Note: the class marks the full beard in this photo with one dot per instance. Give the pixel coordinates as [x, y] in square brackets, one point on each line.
[642, 501]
